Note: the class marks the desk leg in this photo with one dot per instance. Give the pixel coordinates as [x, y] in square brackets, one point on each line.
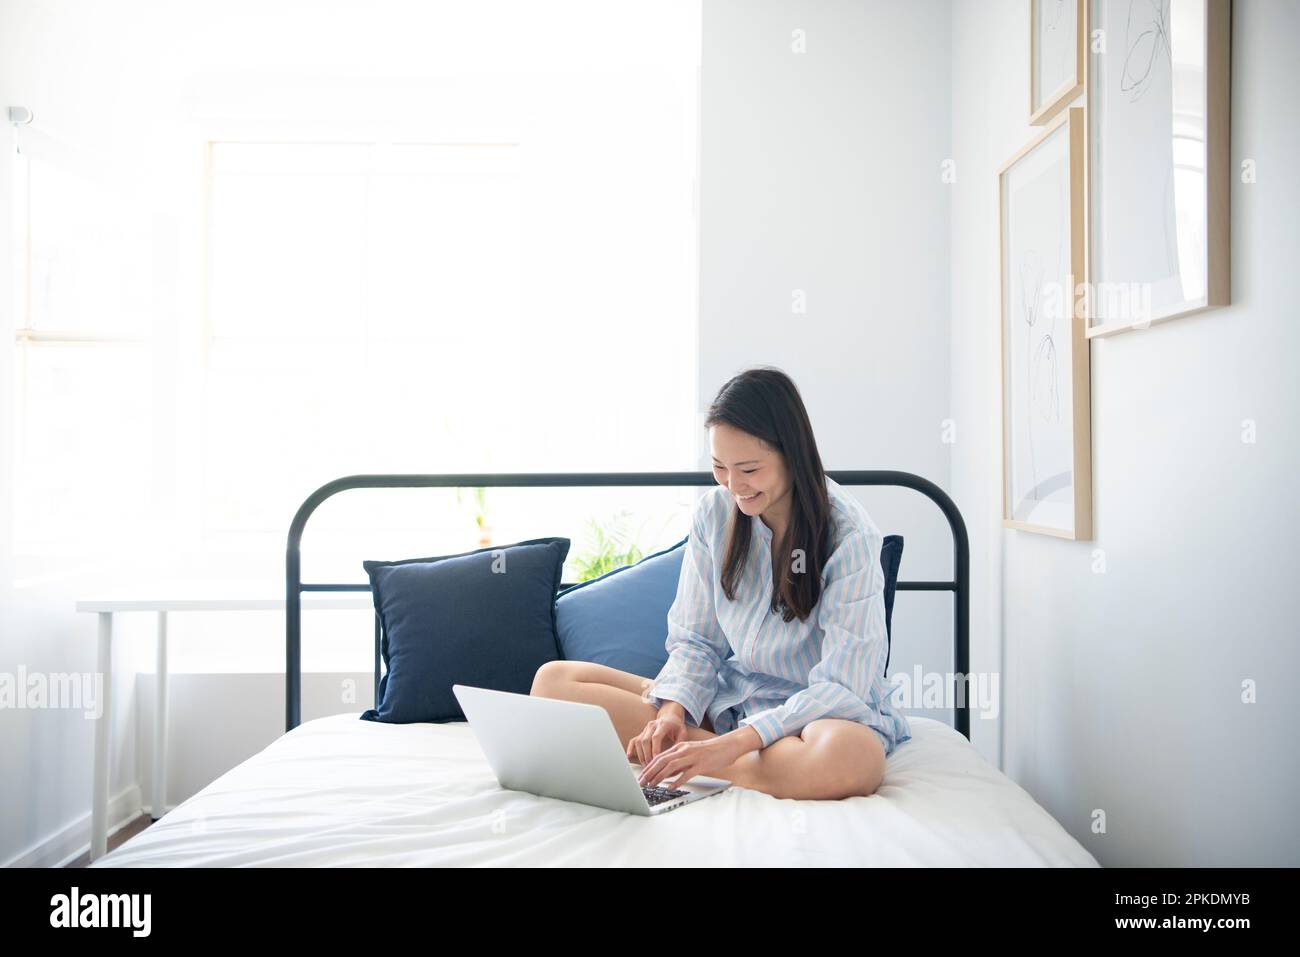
[104, 723]
[160, 722]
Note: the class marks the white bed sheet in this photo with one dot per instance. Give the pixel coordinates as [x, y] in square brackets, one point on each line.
[338, 791]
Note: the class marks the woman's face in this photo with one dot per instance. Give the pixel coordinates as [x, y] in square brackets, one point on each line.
[753, 474]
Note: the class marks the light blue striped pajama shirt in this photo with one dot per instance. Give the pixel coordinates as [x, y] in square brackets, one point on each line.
[741, 664]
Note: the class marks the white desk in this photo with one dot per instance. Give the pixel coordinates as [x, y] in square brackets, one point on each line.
[106, 608]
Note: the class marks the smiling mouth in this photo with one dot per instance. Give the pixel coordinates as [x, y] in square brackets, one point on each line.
[749, 498]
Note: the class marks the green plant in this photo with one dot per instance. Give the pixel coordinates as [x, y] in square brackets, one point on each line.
[480, 504]
[610, 549]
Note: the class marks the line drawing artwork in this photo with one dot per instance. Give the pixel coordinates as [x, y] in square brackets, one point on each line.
[1041, 370]
[1040, 282]
[1060, 43]
[1146, 40]
[1031, 283]
[1056, 41]
[1148, 142]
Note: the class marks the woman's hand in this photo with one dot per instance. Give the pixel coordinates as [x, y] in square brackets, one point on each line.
[686, 759]
[660, 733]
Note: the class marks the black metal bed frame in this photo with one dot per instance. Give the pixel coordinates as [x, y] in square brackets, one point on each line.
[959, 586]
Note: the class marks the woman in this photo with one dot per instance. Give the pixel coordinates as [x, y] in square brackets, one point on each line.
[776, 639]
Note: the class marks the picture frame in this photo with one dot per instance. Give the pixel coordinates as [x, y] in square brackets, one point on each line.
[1046, 419]
[1057, 44]
[1159, 179]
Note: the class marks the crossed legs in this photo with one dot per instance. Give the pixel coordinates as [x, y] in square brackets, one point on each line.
[831, 758]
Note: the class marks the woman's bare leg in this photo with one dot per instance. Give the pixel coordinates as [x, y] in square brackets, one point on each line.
[618, 692]
[831, 758]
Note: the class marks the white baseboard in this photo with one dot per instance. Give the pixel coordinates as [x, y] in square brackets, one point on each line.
[71, 842]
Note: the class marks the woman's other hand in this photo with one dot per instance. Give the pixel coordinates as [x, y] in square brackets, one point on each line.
[661, 732]
[686, 759]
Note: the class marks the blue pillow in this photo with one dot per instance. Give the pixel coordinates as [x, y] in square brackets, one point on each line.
[484, 618]
[891, 555]
[621, 618]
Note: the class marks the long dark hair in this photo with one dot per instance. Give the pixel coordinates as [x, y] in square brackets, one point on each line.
[765, 403]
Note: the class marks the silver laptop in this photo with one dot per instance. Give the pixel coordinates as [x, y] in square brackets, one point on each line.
[567, 750]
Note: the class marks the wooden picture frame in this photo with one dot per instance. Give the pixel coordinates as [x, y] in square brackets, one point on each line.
[1057, 42]
[1159, 178]
[1046, 420]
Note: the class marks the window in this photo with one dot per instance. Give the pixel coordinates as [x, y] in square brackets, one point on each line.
[479, 261]
[83, 362]
[364, 313]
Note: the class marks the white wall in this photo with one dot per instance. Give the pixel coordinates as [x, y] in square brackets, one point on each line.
[1125, 686]
[820, 172]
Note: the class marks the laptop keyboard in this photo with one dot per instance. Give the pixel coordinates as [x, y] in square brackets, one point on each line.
[658, 795]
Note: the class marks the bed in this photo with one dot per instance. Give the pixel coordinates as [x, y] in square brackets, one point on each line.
[338, 791]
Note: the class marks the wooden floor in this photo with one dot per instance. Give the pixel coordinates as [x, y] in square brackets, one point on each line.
[116, 840]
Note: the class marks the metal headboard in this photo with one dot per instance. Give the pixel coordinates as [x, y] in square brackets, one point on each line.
[959, 586]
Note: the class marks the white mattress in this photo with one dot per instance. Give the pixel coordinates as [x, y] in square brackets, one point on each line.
[339, 791]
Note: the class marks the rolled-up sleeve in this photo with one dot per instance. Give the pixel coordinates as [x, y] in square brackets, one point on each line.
[851, 614]
[696, 643]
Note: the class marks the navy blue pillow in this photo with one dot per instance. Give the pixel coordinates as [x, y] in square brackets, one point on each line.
[621, 618]
[484, 618]
[891, 555]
